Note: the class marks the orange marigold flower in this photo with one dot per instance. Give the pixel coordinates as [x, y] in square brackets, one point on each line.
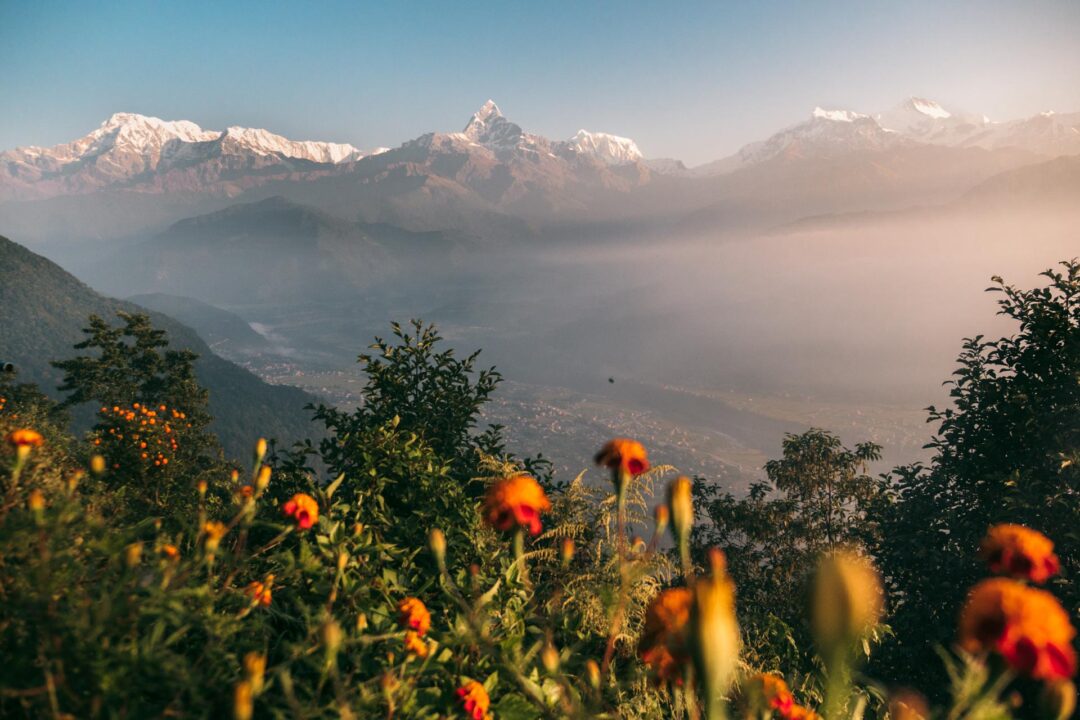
[475, 700]
[261, 592]
[663, 645]
[623, 454]
[303, 508]
[25, 437]
[1025, 625]
[769, 691]
[799, 712]
[516, 501]
[1020, 552]
[415, 645]
[214, 532]
[413, 614]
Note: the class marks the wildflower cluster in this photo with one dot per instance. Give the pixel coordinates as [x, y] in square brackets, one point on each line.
[140, 432]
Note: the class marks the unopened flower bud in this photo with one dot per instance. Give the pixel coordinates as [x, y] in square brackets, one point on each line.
[437, 543]
[592, 672]
[566, 551]
[847, 602]
[255, 670]
[201, 487]
[361, 622]
[714, 632]
[662, 516]
[133, 554]
[331, 637]
[342, 561]
[549, 656]
[260, 450]
[97, 465]
[36, 501]
[1058, 700]
[681, 503]
[73, 481]
[262, 479]
[243, 701]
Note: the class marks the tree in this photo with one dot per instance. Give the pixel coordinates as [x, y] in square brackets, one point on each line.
[811, 502]
[421, 390]
[1007, 449]
[153, 419]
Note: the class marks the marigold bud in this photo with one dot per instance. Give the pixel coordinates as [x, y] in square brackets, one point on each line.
[73, 481]
[36, 501]
[201, 487]
[1058, 700]
[549, 656]
[437, 543]
[662, 516]
[342, 561]
[331, 637]
[714, 632]
[97, 465]
[133, 554]
[262, 480]
[214, 532]
[260, 450]
[566, 551]
[243, 701]
[361, 622]
[255, 670]
[847, 601]
[592, 673]
[680, 500]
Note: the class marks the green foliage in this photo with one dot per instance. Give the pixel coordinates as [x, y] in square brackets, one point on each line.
[1006, 450]
[772, 537]
[421, 390]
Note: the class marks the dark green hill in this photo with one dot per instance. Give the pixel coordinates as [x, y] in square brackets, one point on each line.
[43, 309]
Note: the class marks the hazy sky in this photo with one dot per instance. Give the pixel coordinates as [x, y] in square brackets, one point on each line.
[688, 80]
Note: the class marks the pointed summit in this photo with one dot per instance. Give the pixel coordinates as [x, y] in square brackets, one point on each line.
[482, 119]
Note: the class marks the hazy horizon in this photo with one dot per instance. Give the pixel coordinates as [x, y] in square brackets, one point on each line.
[693, 84]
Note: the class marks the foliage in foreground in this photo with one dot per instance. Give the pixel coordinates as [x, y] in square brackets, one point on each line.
[431, 577]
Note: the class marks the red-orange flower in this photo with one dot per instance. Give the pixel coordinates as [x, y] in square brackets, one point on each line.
[303, 508]
[625, 455]
[415, 645]
[261, 592]
[769, 691]
[413, 614]
[1025, 625]
[25, 437]
[663, 644]
[516, 501]
[475, 700]
[798, 712]
[1020, 552]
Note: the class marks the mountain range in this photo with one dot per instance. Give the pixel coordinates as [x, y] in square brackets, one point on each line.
[135, 176]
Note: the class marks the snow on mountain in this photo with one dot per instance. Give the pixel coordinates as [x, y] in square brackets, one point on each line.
[128, 146]
[928, 121]
[488, 127]
[263, 142]
[612, 149]
[846, 116]
[828, 133]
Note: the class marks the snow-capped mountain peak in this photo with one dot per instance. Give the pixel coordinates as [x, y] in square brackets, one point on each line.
[928, 108]
[490, 128]
[846, 116]
[612, 149]
[263, 142]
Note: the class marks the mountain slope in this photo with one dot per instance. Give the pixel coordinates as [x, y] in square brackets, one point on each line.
[43, 310]
[226, 333]
[271, 251]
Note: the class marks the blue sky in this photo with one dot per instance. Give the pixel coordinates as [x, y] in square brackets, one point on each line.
[688, 80]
